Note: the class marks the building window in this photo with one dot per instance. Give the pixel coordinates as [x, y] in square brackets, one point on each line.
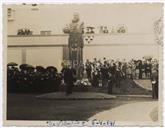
[45, 32]
[10, 14]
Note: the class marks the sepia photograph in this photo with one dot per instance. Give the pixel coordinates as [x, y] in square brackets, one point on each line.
[94, 64]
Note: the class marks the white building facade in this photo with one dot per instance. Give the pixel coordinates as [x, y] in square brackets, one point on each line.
[47, 45]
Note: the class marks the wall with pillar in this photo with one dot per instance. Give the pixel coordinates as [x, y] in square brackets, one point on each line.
[51, 50]
[44, 56]
[14, 55]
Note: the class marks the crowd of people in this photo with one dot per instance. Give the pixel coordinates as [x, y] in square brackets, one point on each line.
[27, 78]
[104, 73]
[133, 69]
[111, 72]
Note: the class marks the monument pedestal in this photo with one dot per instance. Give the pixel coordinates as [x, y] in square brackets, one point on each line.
[76, 51]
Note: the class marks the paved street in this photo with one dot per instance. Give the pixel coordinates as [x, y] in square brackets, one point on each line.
[137, 113]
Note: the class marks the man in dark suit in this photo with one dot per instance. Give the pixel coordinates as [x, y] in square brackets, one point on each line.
[69, 78]
[155, 81]
[104, 72]
[88, 70]
[111, 77]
